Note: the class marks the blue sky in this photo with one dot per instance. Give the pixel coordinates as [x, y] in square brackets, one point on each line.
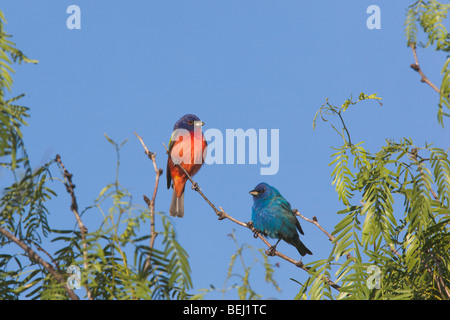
[141, 65]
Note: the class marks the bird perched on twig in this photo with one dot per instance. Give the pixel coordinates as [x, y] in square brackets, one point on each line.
[187, 148]
[273, 217]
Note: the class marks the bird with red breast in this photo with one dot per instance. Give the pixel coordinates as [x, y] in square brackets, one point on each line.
[187, 148]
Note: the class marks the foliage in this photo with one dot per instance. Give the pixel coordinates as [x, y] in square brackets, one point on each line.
[431, 16]
[121, 265]
[408, 244]
[396, 215]
[22, 203]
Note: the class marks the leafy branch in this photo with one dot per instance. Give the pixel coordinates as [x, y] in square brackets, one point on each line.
[32, 255]
[431, 15]
[374, 235]
[329, 109]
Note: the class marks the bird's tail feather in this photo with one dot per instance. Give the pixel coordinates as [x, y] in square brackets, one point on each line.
[302, 249]
[177, 205]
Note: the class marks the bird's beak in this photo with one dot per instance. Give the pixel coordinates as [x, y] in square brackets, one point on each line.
[254, 193]
[199, 123]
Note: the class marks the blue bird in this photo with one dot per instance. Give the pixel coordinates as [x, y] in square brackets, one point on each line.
[273, 217]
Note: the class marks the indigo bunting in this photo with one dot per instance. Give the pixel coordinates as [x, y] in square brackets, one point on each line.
[273, 217]
[187, 148]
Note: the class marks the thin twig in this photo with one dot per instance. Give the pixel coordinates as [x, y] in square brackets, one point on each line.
[444, 291]
[345, 128]
[48, 255]
[316, 223]
[33, 256]
[151, 203]
[74, 207]
[416, 67]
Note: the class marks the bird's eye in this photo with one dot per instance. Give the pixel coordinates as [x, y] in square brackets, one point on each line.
[190, 122]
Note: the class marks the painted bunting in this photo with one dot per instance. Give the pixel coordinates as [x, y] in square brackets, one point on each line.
[273, 217]
[187, 147]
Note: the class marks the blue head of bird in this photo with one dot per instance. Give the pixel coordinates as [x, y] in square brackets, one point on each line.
[264, 191]
[188, 122]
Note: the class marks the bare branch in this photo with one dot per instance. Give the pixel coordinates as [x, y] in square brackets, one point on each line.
[151, 203]
[48, 255]
[315, 222]
[74, 207]
[416, 67]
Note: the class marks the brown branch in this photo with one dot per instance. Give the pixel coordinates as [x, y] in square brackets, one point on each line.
[151, 203]
[330, 237]
[48, 255]
[299, 264]
[74, 207]
[33, 256]
[316, 223]
[443, 290]
[416, 67]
